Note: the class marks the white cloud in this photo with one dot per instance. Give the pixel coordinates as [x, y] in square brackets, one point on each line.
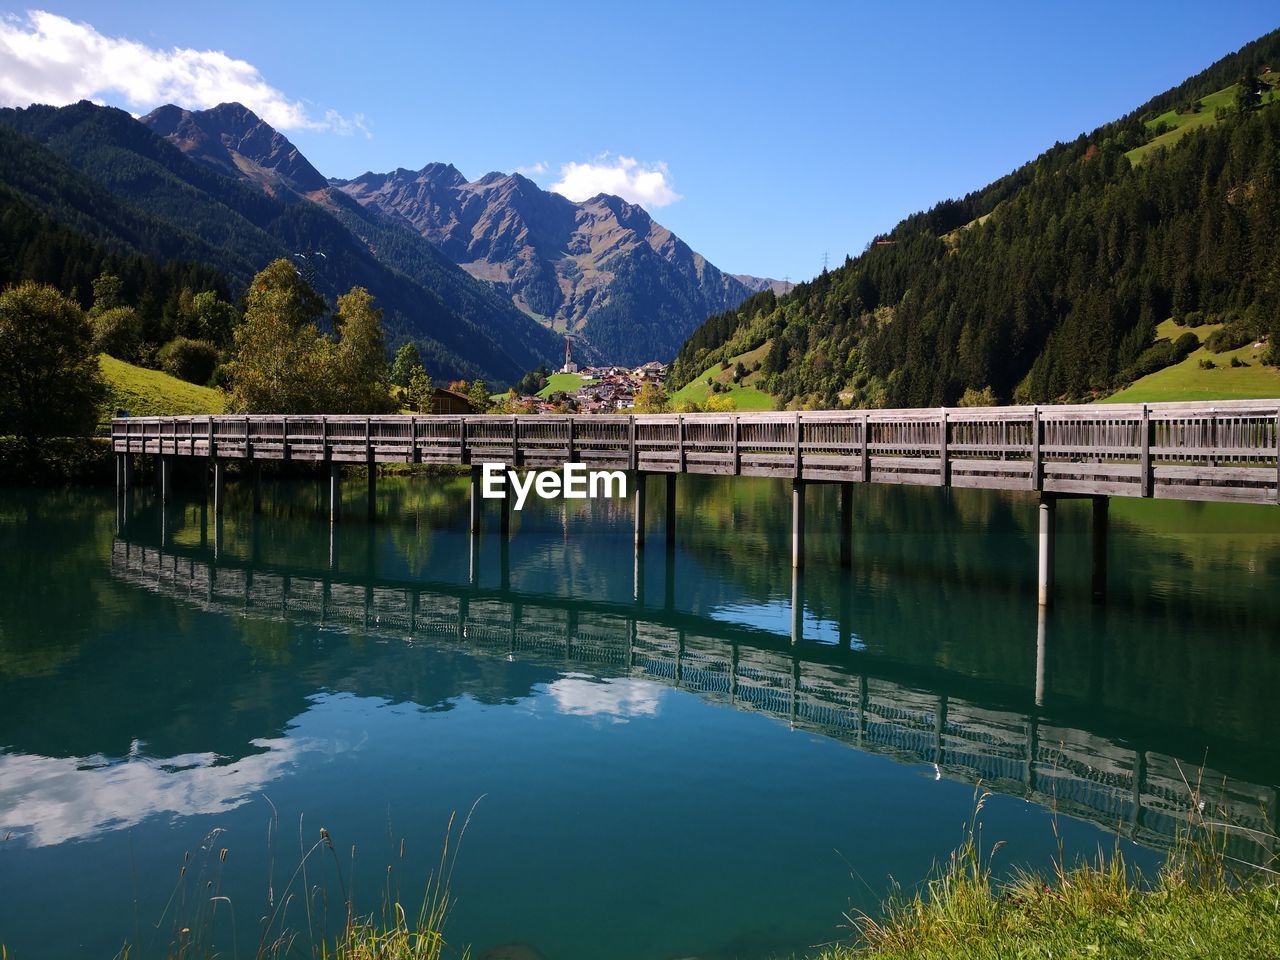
[648, 184]
[45, 58]
[534, 169]
[617, 699]
[50, 800]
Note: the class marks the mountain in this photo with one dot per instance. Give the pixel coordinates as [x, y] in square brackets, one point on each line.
[237, 143]
[100, 171]
[602, 270]
[761, 284]
[1049, 283]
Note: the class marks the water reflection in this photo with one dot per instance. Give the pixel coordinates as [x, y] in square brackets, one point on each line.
[722, 724]
[809, 679]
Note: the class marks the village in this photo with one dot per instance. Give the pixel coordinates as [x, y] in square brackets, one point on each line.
[601, 389]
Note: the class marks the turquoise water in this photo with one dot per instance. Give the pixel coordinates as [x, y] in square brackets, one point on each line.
[653, 768]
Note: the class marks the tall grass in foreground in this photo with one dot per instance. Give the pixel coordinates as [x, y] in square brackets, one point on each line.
[1201, 904]
[200, 922]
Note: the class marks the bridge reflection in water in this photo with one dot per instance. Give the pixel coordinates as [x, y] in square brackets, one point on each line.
[914, 715]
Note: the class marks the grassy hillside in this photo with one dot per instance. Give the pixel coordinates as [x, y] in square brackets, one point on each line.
[150, 393]
[1189, 381]
[567, 382]
[746, 394]
[1180, 124]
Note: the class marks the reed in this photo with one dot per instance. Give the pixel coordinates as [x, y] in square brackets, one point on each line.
[199, 922]
[1203, 903]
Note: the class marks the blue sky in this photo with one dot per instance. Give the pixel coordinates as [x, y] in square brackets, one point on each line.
[763, 134]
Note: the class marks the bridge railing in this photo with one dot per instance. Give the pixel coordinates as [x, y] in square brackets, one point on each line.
[1227, 450]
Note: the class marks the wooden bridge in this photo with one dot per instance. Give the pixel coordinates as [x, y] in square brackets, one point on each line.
[1221, 450]
[1008, 742]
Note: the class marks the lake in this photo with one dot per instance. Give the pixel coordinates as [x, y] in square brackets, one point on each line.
[655, 761]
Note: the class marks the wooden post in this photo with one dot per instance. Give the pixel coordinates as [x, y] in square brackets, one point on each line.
[415, 454]
[799, 468]
[285, 453]
[1101, 507]
[1278, 458]
[680, 439]
[257, 487]
[1037, 471]
[737, 453]
[569, 458]
[1048, 509]
[797, 524]
[846, 524]
[335, 491]
[219, 488]
[371, 470]
[866, 447]
[505, 519]
[120, 474]
[671, 508]
[515, 441]
[1145, 479]
[944, 465]
[475, 500]
[634, 455]
[642, 479]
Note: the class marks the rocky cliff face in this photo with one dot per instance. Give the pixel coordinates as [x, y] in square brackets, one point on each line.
[240, 143]
[603, 270]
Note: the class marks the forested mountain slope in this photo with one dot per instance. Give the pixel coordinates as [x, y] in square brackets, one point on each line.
[1049, 283]
[99, 171]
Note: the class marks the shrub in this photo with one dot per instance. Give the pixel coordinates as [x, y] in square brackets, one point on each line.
[1185, 344]
[1193, 319]
[1207, 364]
[1231, 337]
[190, 360]
[118, 333]
[1237, 362]
[985, 397]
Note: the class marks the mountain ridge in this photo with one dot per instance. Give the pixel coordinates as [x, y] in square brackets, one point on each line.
[592, 269]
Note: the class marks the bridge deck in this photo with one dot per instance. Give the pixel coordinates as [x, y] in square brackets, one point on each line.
[1223, 450]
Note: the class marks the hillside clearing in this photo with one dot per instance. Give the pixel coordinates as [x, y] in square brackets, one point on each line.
[746, 395]
[1180, 124]
[1189, 381]
[152, 393]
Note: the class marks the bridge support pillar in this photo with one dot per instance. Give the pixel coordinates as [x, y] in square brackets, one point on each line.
[797, 524]
[671, 508]
[846, 524]
[257, 487]
[166, 480]
[219, 488]
[335, 492]
[504, 518]
[372, 493]
[126, 471]
[475, 501]
[1041, 654]
[1101, 508]
[797, 606]
[642, 482]
[1048, 512]
[120, 458]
